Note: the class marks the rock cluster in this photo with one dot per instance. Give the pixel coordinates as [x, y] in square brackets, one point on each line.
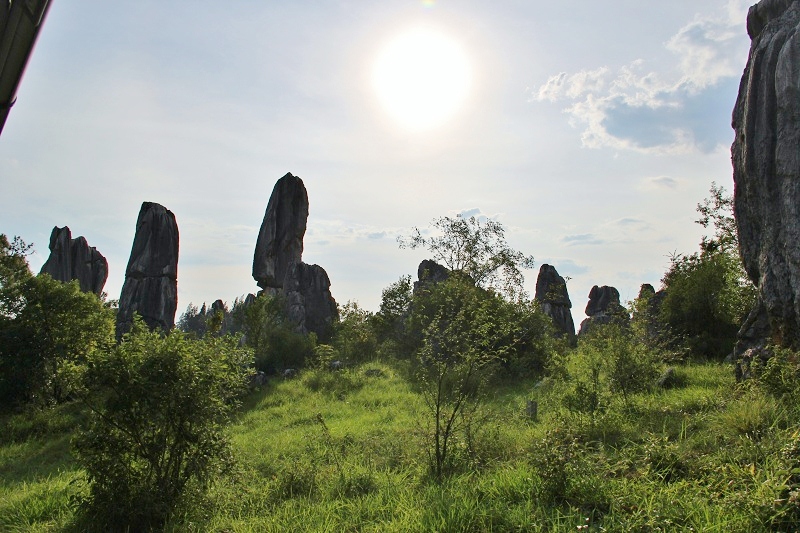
[552, 295]
[603, 308]
[277, 263]
[73, 259]
[151, 278]
[766, 172]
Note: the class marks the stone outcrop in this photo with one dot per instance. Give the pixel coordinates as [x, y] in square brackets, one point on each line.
[73, 259]
[766, 171]
[278, 267]
[429, 273]
[552, 295]
[151, 279]
[603, 308]
[280, 240]
[308, 298]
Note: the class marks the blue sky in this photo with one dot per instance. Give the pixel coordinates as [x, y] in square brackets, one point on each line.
[591, 130]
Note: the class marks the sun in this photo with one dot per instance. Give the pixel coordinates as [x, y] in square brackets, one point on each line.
[421, 78]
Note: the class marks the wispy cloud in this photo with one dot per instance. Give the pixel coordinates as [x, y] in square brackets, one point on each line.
[582, 239]
[641, 109]
[661, 182]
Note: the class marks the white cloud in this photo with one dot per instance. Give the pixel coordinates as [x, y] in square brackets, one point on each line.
[658, 111]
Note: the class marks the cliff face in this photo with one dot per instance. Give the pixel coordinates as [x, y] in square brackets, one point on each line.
[766, 165]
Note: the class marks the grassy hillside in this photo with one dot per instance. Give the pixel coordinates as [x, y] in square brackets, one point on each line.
[345, 451]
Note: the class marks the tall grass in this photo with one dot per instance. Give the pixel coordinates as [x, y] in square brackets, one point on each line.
[344, 451]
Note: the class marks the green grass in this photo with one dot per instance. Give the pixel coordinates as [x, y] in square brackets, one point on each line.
[345, 452]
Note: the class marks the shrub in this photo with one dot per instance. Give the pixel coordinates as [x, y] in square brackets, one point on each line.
[270, 334]
[158, 409]
[54, 330]
[353, 336]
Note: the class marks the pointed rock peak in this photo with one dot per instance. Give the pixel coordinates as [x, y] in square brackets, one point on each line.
[280, 239]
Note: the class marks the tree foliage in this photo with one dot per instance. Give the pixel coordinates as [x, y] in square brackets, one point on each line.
[159, 405]
[708, 294]
[353, 335]
[466, 334]
[13, 272]
[271, 335]
[47, 330]
[476, 247]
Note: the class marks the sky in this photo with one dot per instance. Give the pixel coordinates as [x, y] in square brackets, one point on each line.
[590, 130]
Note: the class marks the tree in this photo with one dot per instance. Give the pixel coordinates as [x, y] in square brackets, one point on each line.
[47, 330]
[272, 336]
[708, 294]
[467, 334]
[388, 322]
[159, 405]
[13, 272]
[353, 336]
[476, 248]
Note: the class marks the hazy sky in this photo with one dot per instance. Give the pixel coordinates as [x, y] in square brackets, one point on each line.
[589, 129]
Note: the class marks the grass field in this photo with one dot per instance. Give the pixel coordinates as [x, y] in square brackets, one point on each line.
[346, 451]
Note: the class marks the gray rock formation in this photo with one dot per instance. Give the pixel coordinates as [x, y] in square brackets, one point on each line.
[277, 263]
[552, 295]
[308, 299]
[603, 308]
[151, 279]
[280, 240]
[766, 169]
[73, 259]
[429, 272]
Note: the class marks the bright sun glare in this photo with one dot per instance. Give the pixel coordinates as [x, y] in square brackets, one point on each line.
[421, 78]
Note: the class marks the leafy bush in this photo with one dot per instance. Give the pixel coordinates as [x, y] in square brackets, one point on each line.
[353, 335]
[708, 294]
[266, 329]
[159, 406]
[54, 330]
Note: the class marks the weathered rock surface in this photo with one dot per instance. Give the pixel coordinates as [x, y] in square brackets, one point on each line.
[308, 299]
[280, 240]
[603, 308]
[552, 295]
[428, 273]
[151, 279]
[73, 259]
[277, 263]
[766, 168]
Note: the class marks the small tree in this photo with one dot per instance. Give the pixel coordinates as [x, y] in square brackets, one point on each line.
[476, 248]
[708, 294]
[454, 361]
[14, 272]
[467, 334]
[47, 330]
[353, 336]
[159, 405]
[270, 334]
[389, 321]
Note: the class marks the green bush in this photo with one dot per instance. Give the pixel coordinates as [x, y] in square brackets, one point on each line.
[159, 406]
[353, 335]
[275, 342]
[53, 332]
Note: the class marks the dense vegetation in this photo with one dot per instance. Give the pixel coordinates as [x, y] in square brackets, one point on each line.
[453, 408]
